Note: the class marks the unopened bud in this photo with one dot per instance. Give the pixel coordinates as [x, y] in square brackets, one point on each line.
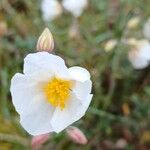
[133, 22]
[126, 108]
[121, 144]
[37, 141]
[3, 29]
[110, 45]
[132, 42]
[76, 135]
[45, 41]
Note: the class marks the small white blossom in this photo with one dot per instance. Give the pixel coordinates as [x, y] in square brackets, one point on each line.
[146, 29]
[50, 9]
[76, 7]
[48, 95]
[139, 55]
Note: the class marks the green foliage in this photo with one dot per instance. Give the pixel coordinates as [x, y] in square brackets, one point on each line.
[120, 108]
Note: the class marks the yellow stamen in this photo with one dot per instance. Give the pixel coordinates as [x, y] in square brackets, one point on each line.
[57, 91]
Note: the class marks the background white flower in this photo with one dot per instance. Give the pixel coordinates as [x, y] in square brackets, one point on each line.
[46, 76]
[139, 56]
[76, 7]
[50, 9]
[146, 29]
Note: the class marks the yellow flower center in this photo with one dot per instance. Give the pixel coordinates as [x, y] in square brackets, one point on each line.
[57, 91]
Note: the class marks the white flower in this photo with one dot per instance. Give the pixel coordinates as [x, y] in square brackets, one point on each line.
[49, 96]
[76, 7]
[146, 29]
[50, 9]
[139, 56]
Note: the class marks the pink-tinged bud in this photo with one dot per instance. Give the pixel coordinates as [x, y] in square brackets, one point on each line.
[45, 41]
[3, 28]
[76, 135]
[37, 141]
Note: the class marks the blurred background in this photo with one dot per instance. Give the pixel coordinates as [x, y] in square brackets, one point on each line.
[100, 36]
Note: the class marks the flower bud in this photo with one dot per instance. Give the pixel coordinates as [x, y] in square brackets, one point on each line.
[3, 29]
[76, 135]
[132, 42]
[45, 41]
[121, 144]
[110, 45]
[37, 141]
[126, 109]
[133, 22]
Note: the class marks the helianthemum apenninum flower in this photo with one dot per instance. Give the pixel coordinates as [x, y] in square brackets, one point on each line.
[48, 95]
[75, 7]
[50, 9]
[139, 55]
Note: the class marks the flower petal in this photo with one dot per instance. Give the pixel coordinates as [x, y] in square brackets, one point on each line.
[145, 51]
[139, 63]
[82, 89]
[71, 113]
[29, 101]
[24, 89]
[43, 61]
[79, 73]
[39, 121]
